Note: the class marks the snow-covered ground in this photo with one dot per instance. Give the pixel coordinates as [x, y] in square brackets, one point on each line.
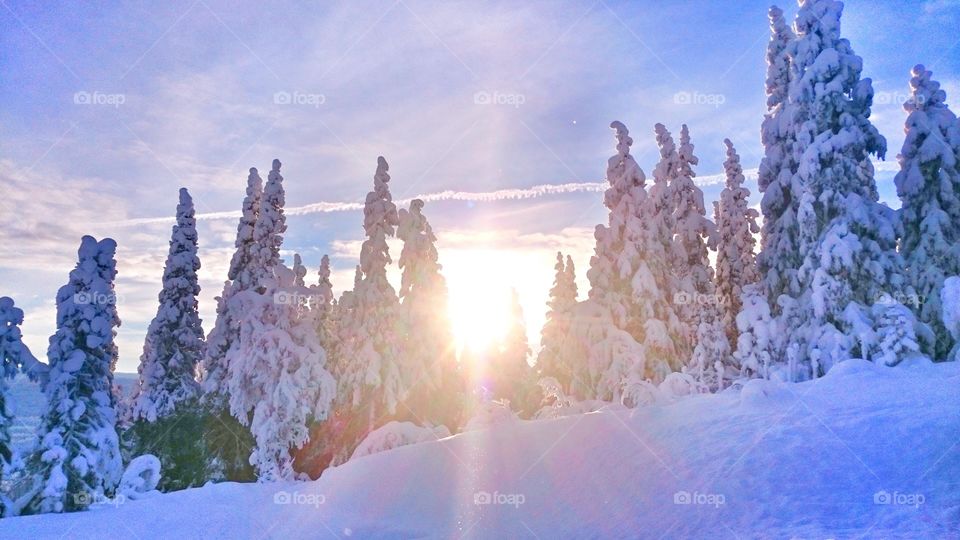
[865, 452]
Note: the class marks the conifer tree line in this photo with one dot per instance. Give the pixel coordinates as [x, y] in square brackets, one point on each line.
[291, 379]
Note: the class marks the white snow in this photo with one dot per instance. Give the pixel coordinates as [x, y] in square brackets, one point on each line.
[866, 450]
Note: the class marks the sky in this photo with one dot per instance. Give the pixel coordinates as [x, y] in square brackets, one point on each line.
[106, 111]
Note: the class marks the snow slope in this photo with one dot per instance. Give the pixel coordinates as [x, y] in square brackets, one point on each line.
[866, 451]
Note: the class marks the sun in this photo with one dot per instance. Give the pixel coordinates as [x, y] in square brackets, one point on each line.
[479, 298]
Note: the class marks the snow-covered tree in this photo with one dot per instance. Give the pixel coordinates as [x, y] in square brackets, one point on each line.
[323, 308]
[510, 372]
[950, 300]
[370, 379]
[429, 349]
[757, 336]
[226, 331]
[15, 356]
[174, 343]
[779, 256]
[694, 233]
[848, 240]
[626, 314]
[736, 225]
[78, 455]
[563, 297]
[269, 228]
[277, 378]
[929, 186]
[710, 363]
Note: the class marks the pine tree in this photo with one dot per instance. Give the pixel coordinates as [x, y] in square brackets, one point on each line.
[779, 257]
[278, 380]
[511, 374]
[848, 240]
[371, 382]
[563, 297]
[737, 225]
[269, 228]
[323, 308]
[929, 186]
[626, 327]
[694, 233]
[429, 350]
[174, 344]
[78, 456]
[241, 276]
[15, 357]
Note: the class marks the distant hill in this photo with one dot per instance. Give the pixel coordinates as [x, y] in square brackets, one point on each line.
[26, 405]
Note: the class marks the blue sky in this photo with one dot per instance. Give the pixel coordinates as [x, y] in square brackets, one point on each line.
[105, 111]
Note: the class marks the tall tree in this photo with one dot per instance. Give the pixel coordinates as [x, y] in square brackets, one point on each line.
[737, 225]
[241, 276]
[174, 344]
[78, 456]
[779, 257]
[929, 186]
[429, 349]
[848, 240]
[371, 382]
[694, 234]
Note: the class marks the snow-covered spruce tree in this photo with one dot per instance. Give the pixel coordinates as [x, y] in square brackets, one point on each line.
[370, 381]
[15, 357]
[779, 257]
[429, 349]
[757, 338]
[694, 233]
[277, 379]
[563, 297]
[627, 327]
[710, 362]
[269, 228]
[174, 343]
[78, 455]
[929, 186]
[511, 375]
[323, 308]
[736, 227]
[848, 240]
[241, 277]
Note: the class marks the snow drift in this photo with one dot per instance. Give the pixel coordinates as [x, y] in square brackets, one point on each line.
[865, 451]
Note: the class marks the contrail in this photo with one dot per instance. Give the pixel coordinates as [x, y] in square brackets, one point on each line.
[541, 190]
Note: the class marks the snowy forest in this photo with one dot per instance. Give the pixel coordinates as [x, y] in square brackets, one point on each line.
[687, 298]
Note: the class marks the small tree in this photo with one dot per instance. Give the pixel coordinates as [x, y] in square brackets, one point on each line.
[563, 297]
[278, 381]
